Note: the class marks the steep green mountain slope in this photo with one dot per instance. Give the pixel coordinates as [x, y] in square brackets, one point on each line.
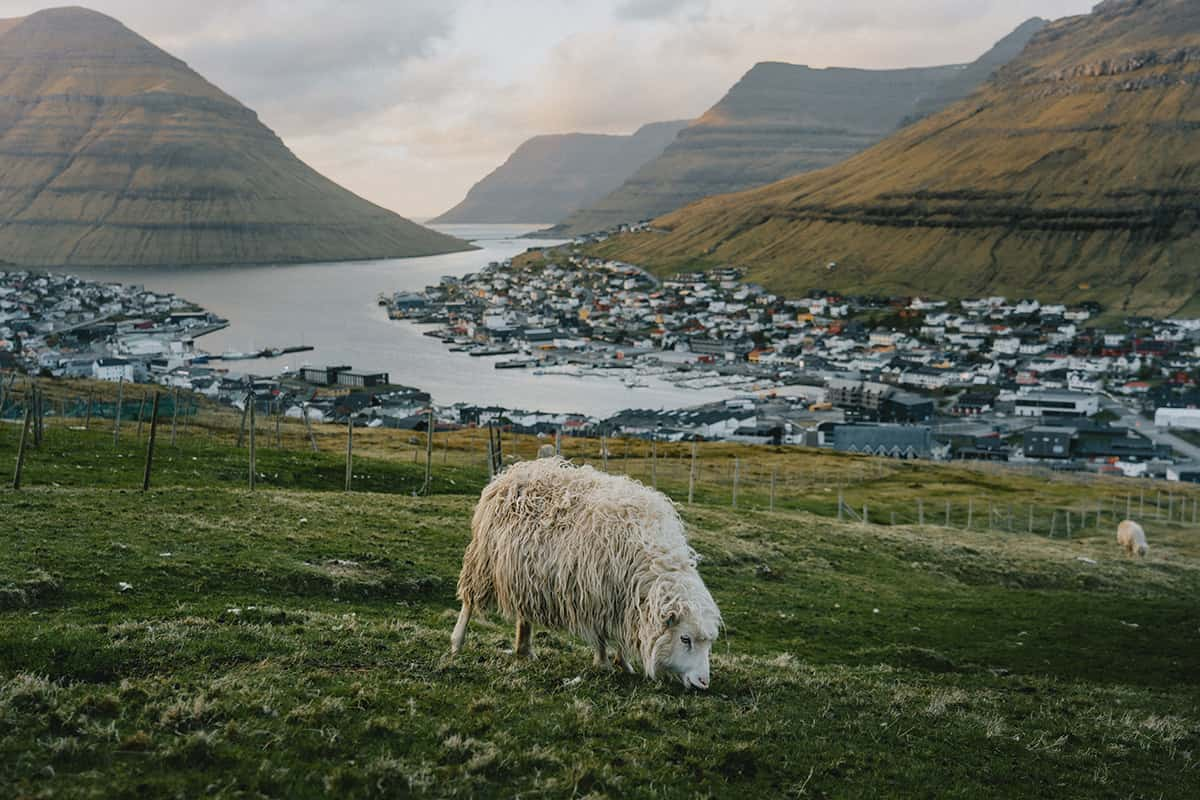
[113, 152]
[548, 177]
[781, 120]
[1073, 174]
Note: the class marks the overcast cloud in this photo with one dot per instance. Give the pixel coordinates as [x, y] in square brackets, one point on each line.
[409, 102]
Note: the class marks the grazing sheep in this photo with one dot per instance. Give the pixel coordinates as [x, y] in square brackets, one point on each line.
[1131, 537]
[602, 557]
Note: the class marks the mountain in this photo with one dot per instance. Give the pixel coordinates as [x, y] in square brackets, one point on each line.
[548, 177]
[781, 120]
[1073, 174]
[113, 152]
[965, 81]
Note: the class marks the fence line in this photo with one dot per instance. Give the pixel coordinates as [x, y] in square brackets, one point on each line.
[871, 491]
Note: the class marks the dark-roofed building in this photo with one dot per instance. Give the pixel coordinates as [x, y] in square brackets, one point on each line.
[322, 376]
[892, 441]
[906, 408]
[362, 380]
[1047, 441]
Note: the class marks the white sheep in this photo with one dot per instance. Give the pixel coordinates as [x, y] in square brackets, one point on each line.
[1131, 537]
[599, 556]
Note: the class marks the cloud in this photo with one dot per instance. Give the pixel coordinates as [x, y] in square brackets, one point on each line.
[653, 9]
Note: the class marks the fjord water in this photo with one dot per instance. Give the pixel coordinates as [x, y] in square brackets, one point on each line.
[334, 308]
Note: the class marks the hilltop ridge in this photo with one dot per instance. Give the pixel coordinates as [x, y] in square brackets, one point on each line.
[1072, 175]
[781, 120]
[548, 177]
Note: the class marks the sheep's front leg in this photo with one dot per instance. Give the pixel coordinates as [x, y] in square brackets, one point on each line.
[524, 646]
[620, 662]
[601, 659]
[460, 629]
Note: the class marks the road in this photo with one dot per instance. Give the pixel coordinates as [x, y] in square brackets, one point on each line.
[1147, 428]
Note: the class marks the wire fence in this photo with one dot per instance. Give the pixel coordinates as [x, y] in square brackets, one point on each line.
[61, 434]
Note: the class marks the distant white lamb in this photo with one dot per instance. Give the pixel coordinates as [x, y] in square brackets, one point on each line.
[1131, 537]
[603, 557]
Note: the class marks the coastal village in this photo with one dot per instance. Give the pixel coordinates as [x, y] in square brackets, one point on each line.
[985, 379]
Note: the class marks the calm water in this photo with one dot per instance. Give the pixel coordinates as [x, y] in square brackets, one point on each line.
[334, 307]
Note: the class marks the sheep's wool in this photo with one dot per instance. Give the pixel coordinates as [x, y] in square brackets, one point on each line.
[574, 549]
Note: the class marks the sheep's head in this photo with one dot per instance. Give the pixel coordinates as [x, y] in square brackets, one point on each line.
[1142, 549]
[685, 628]
[683, 649]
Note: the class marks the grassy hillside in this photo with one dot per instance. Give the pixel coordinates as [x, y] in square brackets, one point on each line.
[291, 642]
[1070, 176]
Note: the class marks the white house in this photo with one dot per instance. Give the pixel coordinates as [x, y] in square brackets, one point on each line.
[112, 369]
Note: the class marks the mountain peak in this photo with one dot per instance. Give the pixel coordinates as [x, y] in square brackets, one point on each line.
[1070, 176]
[114, 152]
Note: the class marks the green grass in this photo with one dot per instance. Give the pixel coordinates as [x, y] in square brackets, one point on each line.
[292, 642]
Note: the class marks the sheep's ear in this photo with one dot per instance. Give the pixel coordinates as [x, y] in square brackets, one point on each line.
[672, 621]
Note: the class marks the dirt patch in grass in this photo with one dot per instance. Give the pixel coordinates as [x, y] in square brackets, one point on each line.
[38, 588]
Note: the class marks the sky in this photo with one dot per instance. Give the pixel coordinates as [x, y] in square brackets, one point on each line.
[410, 102]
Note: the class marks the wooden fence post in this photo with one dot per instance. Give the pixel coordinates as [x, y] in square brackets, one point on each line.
[692, 477]
[150, 443]
[38, 422]
[120, 408]
[970, 512]
[428, 456]
[1068, 523]
[604, 450]
[557, 443]
[920, 512]
[736, 475]
[1031, 519]
[252, 404]
[841, 505]
[774, 471]
[141, 412]
[87, 422]
[312, 439]
[16, 484]
[349, 452]
[947, 513]
[242, 428]
[278, 423]
[654, 463]
[175, 413]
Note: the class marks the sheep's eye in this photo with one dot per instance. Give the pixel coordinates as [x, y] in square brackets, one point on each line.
[687, 640]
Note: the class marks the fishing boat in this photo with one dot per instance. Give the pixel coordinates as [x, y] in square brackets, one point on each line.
[516, 363]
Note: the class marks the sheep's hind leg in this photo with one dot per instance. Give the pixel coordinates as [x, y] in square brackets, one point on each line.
[524, 646]
[601, 659]
[460, 628]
